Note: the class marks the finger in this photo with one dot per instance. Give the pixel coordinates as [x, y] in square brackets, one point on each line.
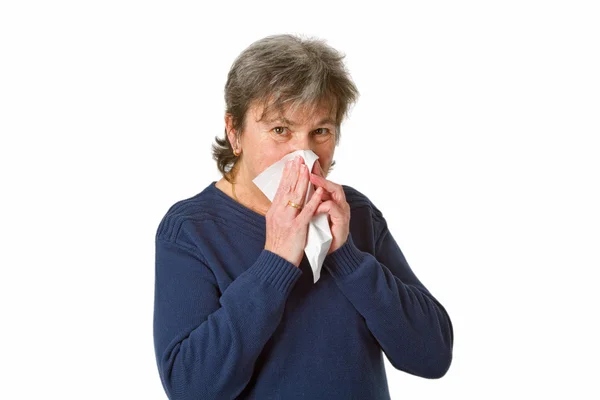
[331, 208]
[326, 195]
[293, 195]
[309, 208]
[294, 174]
[302, 185]
[316, 169]
[294, 186]
[284, 185]
[336, 191]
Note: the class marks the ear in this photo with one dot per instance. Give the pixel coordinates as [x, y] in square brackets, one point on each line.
[229, 129]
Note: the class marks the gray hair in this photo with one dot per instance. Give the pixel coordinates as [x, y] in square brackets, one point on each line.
[283, 70]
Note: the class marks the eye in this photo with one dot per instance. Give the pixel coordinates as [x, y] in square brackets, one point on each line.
[279, 129]
[321, 131]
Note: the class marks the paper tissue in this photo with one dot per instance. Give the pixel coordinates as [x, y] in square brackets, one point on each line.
[319, 234]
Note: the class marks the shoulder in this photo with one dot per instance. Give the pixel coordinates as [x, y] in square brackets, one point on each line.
[192, 209]
[358, 200]
[366, 220]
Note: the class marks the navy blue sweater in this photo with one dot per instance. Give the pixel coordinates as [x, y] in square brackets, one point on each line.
[235, 321]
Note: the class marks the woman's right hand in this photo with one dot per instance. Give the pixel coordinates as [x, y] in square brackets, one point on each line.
[287, 227]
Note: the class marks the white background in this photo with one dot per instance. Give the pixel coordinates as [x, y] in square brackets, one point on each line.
[476, 134]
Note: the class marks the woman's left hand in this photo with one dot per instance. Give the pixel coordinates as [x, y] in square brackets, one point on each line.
[335, 205]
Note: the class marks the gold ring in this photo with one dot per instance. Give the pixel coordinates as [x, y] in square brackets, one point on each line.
[291, 203]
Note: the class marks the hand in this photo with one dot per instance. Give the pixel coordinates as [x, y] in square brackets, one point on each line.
[287, 227]
[335, 205]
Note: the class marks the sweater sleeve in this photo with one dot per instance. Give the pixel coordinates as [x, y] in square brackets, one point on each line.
[410, 325]
[206, 343]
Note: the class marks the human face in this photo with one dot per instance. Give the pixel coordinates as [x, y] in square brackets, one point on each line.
[267, 141]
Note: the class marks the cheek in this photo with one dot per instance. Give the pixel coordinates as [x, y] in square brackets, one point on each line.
[265, 160]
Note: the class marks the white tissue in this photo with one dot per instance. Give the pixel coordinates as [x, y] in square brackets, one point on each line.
[319, 234]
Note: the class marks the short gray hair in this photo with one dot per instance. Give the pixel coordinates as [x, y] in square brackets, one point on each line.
[281, 70]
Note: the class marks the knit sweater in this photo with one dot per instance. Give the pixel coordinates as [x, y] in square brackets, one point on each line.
[233, 320]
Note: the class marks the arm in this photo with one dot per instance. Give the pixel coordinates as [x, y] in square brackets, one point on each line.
[410, 325]
[206, 344]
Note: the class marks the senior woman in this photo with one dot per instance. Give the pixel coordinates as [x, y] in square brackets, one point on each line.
[237, 314]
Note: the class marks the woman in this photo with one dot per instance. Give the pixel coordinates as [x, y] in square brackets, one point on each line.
[237, 314]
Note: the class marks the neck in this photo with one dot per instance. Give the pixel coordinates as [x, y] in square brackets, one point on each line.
[247, 193]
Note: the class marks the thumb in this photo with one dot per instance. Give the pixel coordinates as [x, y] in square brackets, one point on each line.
[316, 169]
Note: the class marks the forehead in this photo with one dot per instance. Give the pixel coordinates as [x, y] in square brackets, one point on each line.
[304, 113]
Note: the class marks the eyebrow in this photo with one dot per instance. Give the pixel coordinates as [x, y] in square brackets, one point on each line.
[326, 120]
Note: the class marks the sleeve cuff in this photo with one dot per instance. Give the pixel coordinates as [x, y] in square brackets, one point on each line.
[345, 260]
[276, 271]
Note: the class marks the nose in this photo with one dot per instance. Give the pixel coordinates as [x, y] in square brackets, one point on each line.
[302, 143]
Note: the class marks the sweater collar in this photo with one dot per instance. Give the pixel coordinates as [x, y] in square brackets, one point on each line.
[237, 210]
